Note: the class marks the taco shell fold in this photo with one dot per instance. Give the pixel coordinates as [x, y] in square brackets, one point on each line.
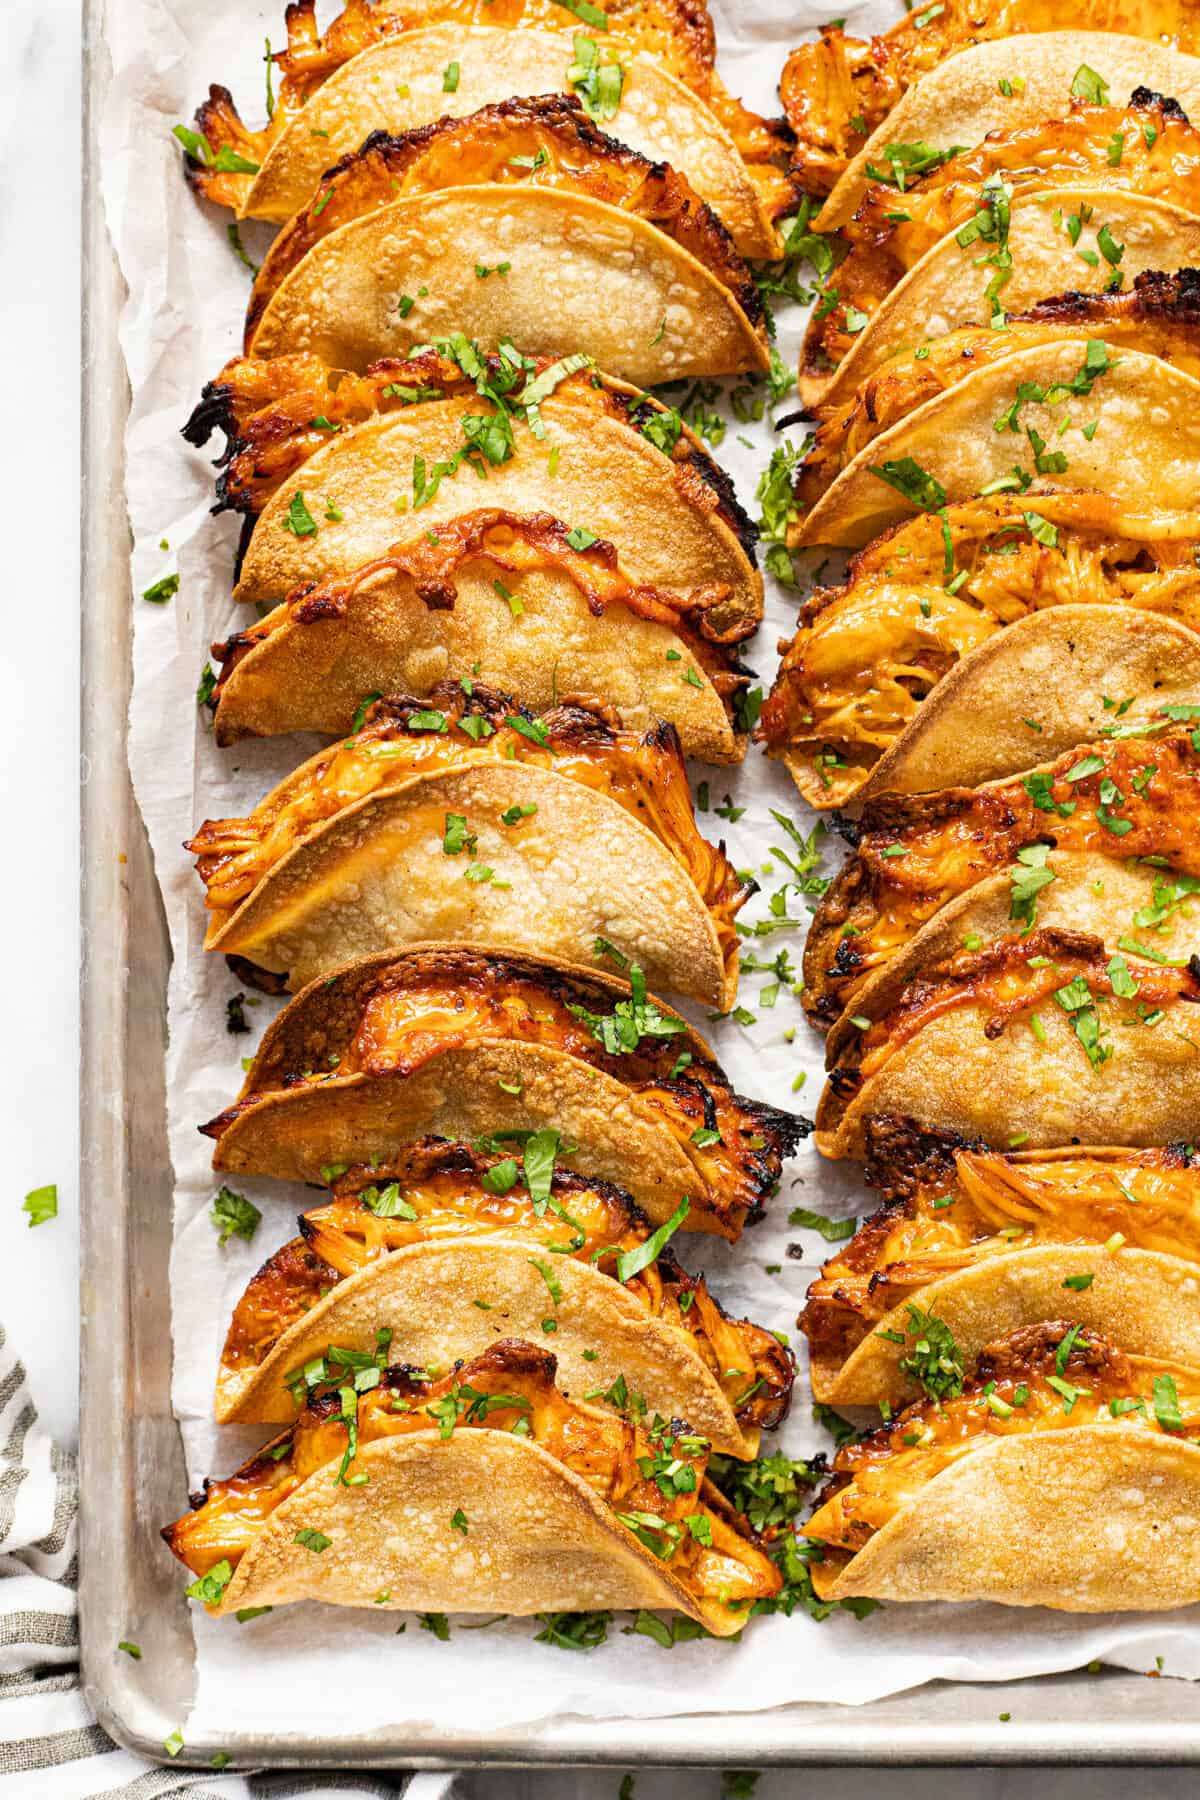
[531, 626]
[961, 100]
[429, 1295]
[1056, 667]
[646, 308]
[663, 520]
[1123, 1507]
[375, 877]
[947, 288]
[1147, 1301]
[1146, 440]
[540, 1540]
[401, 83]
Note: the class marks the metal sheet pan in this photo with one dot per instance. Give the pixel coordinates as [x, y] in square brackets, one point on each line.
[131, 1455]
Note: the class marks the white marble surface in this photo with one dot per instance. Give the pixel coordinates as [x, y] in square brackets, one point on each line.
[39, 469]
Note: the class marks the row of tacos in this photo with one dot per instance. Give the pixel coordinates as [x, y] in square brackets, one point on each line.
[513, 588]
[999, 703]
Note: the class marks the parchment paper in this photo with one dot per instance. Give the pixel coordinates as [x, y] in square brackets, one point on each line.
[309, 1668]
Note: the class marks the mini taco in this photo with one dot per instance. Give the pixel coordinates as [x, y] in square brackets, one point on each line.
[398, 66]
[1159, 315]
[926, 597]
[326, 458]
[848, 99]
[477, 1490]
[463, 816]
[1072, 414]
[1001, 84]
[442, 1251]
[467, 224]
[462, 1044]
[1125, 801]
[400, 83]
[1145, 148]
[986, 1243]
[1052, 1425]
[502, 594]
[1040, 1040]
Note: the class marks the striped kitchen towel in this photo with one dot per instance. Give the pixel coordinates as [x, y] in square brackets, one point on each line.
[50, 1746]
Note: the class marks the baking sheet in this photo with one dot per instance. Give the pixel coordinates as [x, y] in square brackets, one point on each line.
[292, 1670]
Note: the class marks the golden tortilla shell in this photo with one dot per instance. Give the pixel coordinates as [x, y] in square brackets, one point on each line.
[947, 288]
[460, 1094]
[1123, 1502]
[375, 877]
[1056, 667]
[961, 101]
[310, 675]
[1144, 1300]
[426, 1294]
[662, 518]
[581, 272]
[399, 84]
[1146, 441]
[540, 1540]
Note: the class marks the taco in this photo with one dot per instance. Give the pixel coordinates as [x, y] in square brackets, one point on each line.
[1056, 1470]
[1038, 1040]
[442, 1250]
[474, 1490]
[400, 83]
[467, 225]
[454, 1042]
[1073, 414]
[1094, 238]
[986, 1243]
[1126, 800]
[403, 64]
[999, 84]
[1146, 148]
[327, 459]
[843, 94]
[1159, 315]
[507, 596]
[924, 599]
[463, 816]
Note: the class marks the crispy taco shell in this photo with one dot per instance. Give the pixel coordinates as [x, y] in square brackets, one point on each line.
[975, 1238]
[947, 288]
[619, 465]
[672, 38]
[1149, 1302]
[1159, 316]
[471, 1516]
[957, 1050]
[478, 823]
[962, 100]
[1055, 667]
[841, 93]
[501, 594]
[855, 681]
[444, 1301]
[918, 856]
[400, 83]
[492, 1046]
[387, 255]
[951, 1500]
[1146, 440]
[974, 196]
